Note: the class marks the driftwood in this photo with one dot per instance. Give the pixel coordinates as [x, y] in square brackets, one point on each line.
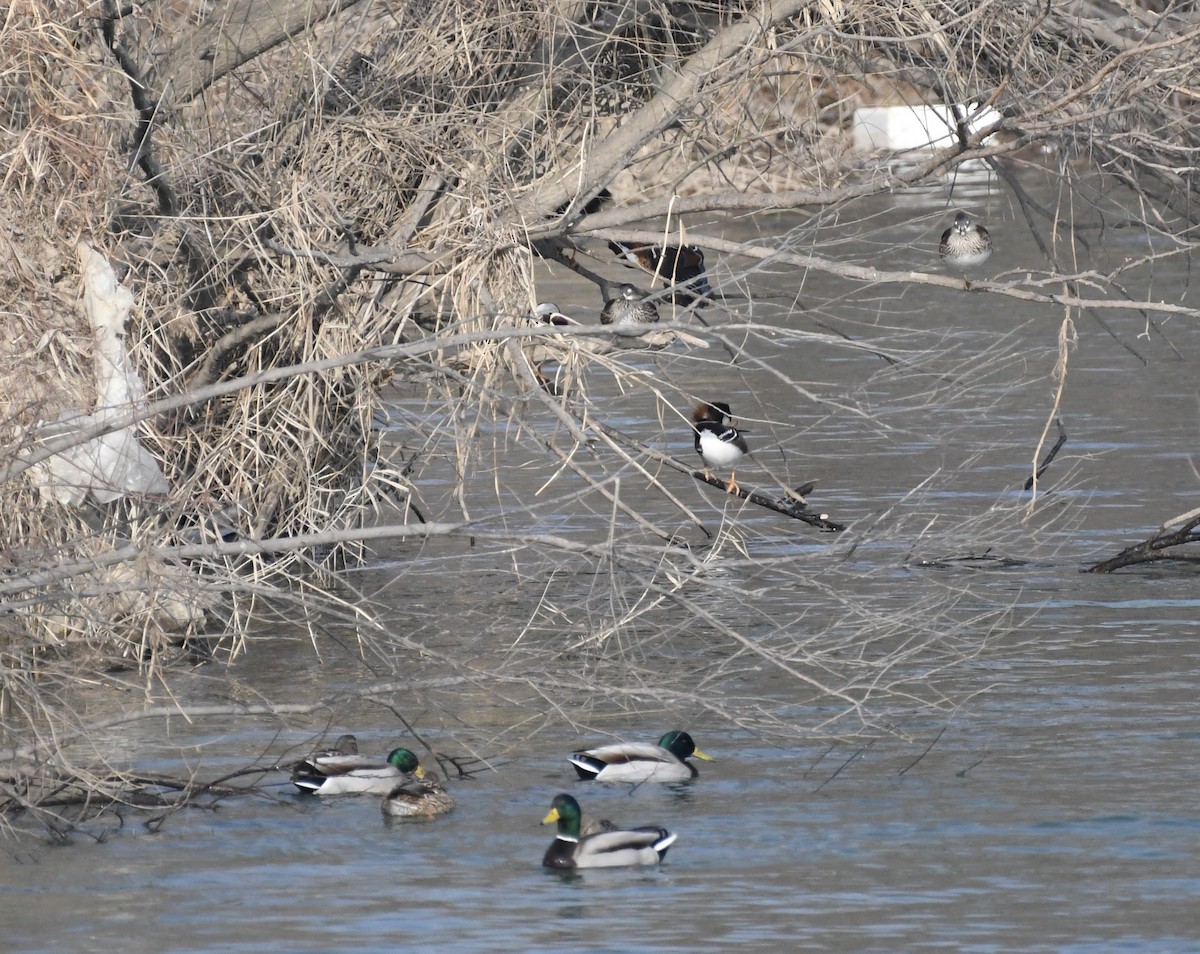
[1166, 543]
[791, 503]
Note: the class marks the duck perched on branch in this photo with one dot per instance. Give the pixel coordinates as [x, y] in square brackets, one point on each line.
[718, 444]
[628, 313]
[965, 245]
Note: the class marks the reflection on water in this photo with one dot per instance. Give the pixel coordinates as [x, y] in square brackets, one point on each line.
[1051, 807]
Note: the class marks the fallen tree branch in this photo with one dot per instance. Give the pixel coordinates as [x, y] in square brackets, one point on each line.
[1159, 547]
[677, 88]
[790, 503]
[235, 33]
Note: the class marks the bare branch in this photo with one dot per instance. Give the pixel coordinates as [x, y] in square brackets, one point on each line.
[234, 33]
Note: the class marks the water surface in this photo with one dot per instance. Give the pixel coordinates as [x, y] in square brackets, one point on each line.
[1049, 805]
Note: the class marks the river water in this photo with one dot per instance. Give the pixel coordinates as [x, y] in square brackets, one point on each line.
[1048, 804]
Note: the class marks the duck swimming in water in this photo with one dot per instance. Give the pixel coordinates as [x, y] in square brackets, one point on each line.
[418, 797]
[355, 774]
[614, 848]
[640, 761]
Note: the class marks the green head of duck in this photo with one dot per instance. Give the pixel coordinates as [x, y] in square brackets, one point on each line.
[680, 745]
[406, 762]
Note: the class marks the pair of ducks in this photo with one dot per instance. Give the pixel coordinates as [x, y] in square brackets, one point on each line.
[629, 312]
[964, 245]
[407, 789]
[410, 791]
[602, 844]
[680, 268]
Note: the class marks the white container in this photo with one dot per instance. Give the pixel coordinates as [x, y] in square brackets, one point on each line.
[882, 128]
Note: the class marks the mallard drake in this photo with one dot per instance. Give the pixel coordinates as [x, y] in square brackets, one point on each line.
[629, 312]
[355, 774]
[418, 796]
[718, 444]
[641, 761]
[605, 849]
[965, 245]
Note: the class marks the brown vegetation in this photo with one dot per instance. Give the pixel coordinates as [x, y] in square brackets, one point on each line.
[320, 206]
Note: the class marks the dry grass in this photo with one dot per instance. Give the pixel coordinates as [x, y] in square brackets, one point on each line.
[349, 224]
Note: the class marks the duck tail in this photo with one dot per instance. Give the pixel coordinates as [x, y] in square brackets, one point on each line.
[307, 777]
[586, 766]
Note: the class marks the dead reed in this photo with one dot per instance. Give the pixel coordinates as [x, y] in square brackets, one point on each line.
[333, 240]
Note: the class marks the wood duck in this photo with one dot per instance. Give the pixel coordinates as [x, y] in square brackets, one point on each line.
[680, 268]
[718, 444]
[965, 245]
[548, 313]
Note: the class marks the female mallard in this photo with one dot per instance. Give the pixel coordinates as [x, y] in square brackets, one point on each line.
[605, 849]
[629, 312]
[344, 745]
[640, 761]
[425, 797]
[355, 774]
